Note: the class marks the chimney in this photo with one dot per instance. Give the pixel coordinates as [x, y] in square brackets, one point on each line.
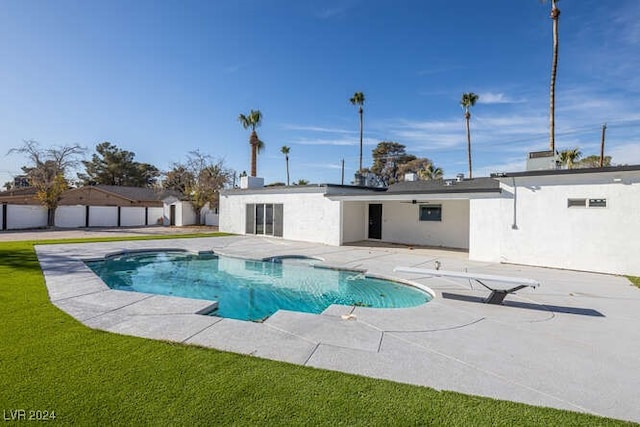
[541, 160]
[251, 182]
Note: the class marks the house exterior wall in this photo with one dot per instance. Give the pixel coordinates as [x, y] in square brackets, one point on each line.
[307, 216]
[70, 216]
[401, 224]
[187, 215]
[549, 233]
[26, 216]
[487, 219]
[354, 225]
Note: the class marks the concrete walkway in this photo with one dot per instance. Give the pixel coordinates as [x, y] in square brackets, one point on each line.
[573, 343]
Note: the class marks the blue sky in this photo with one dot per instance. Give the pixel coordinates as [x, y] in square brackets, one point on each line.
[164, 78]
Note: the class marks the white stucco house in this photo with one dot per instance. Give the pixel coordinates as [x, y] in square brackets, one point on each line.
[582, 219]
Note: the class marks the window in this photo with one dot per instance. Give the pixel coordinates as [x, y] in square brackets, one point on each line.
[575, 203]
[430, 212]
[582, 203]
[597, 203]
[264, 218]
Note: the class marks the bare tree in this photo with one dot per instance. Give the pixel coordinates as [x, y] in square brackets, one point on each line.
[47, 171]
[201, 179]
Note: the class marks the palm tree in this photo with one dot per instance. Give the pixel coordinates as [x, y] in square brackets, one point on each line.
[555, 15]
[430, 172]
[468, 100]
[358, 99]
[569, 157]
[301, 182]
[285, 150]
[253, 120]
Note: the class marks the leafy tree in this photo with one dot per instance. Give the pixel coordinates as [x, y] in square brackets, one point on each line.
[555, 16]
[358, 99]
[201, 179]
[430, 172]
[177, 178]
[592, 162]
[285, 150]
[47, 172]
[253, 120]
[468, 100]
[301, 182]
[569, 157]
[413, 166]
[112, 166]
[387, 159]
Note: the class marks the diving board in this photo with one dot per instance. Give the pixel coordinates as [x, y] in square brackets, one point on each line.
[497, 294]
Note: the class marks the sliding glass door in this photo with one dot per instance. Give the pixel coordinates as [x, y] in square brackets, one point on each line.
[264, 218]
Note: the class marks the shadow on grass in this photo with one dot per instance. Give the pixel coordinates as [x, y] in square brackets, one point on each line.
[23, 258]
[529, 306]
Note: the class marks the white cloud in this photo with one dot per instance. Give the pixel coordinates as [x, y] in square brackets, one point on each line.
[497, 98]
[342, 141]
[317, 129]
[628, 153]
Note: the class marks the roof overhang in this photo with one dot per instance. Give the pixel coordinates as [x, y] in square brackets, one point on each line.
[418, 197]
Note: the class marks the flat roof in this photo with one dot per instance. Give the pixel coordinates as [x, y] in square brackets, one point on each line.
[473, 185]
[546, 172]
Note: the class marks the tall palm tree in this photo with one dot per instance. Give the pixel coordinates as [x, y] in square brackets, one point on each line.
[358, 99]
[285, 150]
[569, 157]
[253, 120]
[430, 172]
[555, 15]
[468, 100]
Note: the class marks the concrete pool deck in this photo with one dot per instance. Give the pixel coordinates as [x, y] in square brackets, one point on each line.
[573, 343]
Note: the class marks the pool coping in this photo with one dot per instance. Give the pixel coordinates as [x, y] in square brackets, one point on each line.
[405, 345]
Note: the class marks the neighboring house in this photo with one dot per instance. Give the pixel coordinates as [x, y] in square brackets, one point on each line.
[88, 206]
[583, 219]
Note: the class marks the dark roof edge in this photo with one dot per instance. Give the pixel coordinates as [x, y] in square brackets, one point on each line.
[449, 190]
[293, 188]
[577, 171]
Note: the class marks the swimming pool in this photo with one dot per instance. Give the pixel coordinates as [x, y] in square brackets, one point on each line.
[251, 289]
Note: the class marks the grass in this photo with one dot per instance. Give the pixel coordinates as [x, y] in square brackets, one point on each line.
[634, 280]
[49, 361]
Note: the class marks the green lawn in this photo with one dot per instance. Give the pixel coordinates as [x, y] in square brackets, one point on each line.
[51, 362]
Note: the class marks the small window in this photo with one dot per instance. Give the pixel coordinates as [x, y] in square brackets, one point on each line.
[597, 203]
[430, 212]
[575, 203]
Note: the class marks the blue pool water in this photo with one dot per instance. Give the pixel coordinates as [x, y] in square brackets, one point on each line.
[249, 289]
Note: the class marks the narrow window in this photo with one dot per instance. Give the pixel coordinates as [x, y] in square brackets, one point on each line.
[278, 213]
[430, 212]
[597, 203]
[260, 218]
[250, 221]
[576, 203]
